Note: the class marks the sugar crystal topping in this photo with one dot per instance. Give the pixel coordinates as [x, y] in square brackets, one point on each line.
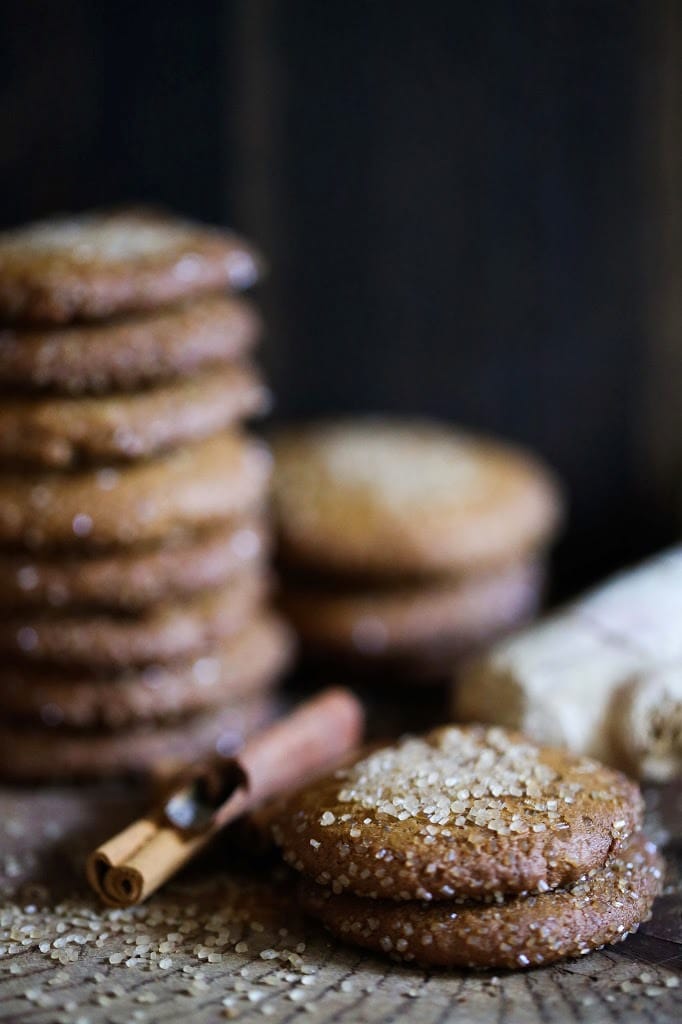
[392, 461]
[93, 236]
[462, 778]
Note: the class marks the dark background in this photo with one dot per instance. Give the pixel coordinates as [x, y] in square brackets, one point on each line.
[471, 211]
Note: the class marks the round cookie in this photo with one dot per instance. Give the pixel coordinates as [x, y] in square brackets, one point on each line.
[128, 353]
[131, 580]
[61, 433]
[392, 498]
[243, 666]
[379, 623]
[466, 812]
[35, 753]
[527, 931]
[195, 487]
[98, 264]
[164, 633]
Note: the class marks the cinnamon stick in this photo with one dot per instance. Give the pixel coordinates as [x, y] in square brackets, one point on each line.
[133, 864]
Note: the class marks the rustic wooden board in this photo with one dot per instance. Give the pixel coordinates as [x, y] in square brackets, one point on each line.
[216, 906]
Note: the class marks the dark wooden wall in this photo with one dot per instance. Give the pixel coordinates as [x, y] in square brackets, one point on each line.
[471, 210]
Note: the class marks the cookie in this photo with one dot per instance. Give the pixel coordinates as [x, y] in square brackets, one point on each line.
[162, 634]
[397, 497]
[387, 622]
[99, 264]
[128, 353]
[34, 753]
[466, 812]
[241, 667]
[602, 908]
[62, 433]
[195, 487]
[131, 580]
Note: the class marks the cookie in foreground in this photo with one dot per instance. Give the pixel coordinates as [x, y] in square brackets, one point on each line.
[464, 812]
[604, 907]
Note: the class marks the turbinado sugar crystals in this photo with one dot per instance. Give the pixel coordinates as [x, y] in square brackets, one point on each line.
[481, 775]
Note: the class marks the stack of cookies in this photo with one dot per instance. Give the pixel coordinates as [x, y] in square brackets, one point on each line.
[133, 540]
[472, 847]
[406, 545]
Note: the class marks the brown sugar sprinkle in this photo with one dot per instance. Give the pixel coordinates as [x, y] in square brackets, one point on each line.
[191, 937]
[461, 778]
[375, 459]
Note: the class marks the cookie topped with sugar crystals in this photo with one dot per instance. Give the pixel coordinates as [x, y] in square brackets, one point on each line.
[127, 353]
[158, 636]
[463, 813]
[57, 432]
[195, 487]
[239, 666]
[97, 264]
[394, 497]
[131, 580]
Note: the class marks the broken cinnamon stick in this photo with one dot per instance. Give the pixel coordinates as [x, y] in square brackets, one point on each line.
[133, 864]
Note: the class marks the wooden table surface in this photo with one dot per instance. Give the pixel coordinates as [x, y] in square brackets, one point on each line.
[225, 942]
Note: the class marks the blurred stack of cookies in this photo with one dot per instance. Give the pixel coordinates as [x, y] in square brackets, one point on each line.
[406, 545]
[133, 538]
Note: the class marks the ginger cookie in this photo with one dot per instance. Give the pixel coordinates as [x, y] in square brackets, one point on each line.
[131, 580]
[34, 753]
[196, 487]
[242, 666]
[128, 353]
[385, 622]
[464, 812]
[61, 433]
[524, 931]
[98, 264]
[390, 498]
[162, 634]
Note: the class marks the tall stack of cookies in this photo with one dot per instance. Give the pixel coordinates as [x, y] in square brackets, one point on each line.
[133, 538]
[406, 545]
